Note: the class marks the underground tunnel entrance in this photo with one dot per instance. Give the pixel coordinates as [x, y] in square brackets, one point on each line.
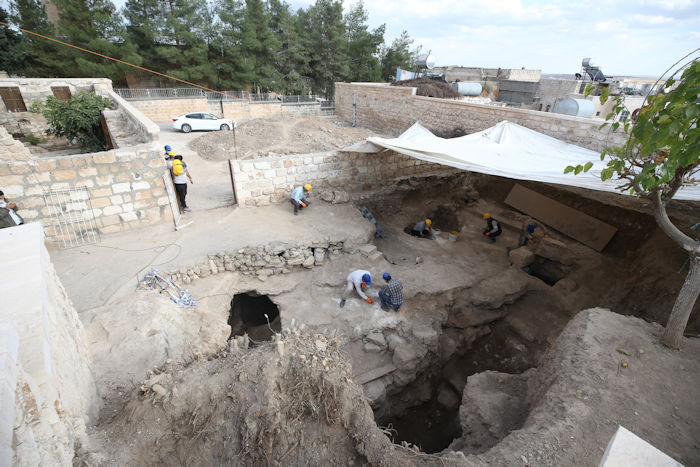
[247, 316]
[547, 270]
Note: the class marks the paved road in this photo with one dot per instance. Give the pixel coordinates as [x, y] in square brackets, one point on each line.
[212, 181]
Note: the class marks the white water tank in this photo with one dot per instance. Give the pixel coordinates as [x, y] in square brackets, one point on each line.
[425, 61]
[468, 88]
[575, 107]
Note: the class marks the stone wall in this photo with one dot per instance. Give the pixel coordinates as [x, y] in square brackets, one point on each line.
[393, 109]
[11, 149]
[38, 89]
[260, 182]
[47, 392]
[125, 186]
[163, 110]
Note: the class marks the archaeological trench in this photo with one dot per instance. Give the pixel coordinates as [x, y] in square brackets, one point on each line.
[268, 370]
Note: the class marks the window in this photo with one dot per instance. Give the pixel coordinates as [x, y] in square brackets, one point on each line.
[61, 92]
[624, 115]
[540, 107]
[193, 116]
[209, 117]
[12, 99]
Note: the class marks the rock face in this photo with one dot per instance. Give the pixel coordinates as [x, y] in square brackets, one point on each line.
[493, 405]
[521, 257]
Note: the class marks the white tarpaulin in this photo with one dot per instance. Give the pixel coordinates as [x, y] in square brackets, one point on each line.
[507, 150]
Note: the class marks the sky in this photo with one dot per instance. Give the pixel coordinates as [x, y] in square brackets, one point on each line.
[625, 37]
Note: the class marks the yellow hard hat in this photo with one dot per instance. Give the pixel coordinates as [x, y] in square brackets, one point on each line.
[487, 215]
[172, 153]
[428, 222]
[307, 187]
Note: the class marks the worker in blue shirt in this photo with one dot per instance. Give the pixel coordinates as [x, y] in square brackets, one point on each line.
[299, 199]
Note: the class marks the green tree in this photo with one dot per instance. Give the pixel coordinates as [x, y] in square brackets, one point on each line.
[398, 55]
[12, 50]
[662, 153]
[145, 20]
[363, 45]
[328, 45]
[41, 55]
[292, 58]
[77, 118]
[258, 48]
[227, 45]
[94, 25]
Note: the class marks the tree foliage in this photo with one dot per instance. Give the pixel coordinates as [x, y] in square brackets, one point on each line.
[12, 50]
[255, 45]
[77, 118]
[662, 152]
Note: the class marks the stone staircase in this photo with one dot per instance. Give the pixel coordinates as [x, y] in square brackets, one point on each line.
[123, 131]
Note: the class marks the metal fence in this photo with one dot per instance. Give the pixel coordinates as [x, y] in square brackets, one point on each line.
[184, 93]
[72, 216]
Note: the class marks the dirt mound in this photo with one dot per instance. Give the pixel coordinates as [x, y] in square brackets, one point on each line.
[270, 136]
[430, 88]
[289, 402]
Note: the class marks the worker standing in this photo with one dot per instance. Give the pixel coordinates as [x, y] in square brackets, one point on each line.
[423, 229]
[357, 280]
[493, 228]
[300, 199]
[168, 150]
[391, 294]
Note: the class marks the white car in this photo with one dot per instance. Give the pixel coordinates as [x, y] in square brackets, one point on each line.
[201, 121]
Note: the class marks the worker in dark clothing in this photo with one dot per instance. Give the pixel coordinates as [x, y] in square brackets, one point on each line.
[526, 234]
[391, 294]
[493, 228]
[421, 229]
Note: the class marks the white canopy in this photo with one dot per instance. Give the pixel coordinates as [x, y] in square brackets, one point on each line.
[507, 150]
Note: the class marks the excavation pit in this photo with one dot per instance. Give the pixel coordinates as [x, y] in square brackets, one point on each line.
[547, 270]
[255, 315]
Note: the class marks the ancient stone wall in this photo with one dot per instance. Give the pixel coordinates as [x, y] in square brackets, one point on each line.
[125, 186]
[47, 392]
[11, 149]
[163, 110]
[393, 109]
[260, 182]
[38, 89]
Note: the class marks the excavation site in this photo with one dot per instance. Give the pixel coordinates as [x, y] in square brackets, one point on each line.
[526, 330]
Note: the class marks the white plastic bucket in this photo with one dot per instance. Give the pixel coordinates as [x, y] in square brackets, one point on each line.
[452, 236]
[318, 255]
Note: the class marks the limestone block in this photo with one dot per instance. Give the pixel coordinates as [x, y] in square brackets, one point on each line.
[143, 185]
[503, 288]
[110, 210]
[521, 257]
[376, 338]
[121, 188]
[555, 251]
[368, 249]
[128, 217]
[375, 391]
[406, 357]
[425, 335]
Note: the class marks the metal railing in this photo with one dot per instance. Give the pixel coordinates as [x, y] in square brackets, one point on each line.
[159, 93]
[184, 93]
[73, 218]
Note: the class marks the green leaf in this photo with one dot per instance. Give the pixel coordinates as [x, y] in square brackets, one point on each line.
[604, 95]
[578, 169]
[589, 90]
[588, 166]
[615, 126]
[663, 119]
[569, 169]
[602, 126]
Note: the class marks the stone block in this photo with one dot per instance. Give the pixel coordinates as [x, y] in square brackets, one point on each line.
[163, 201]
[405, 357]
[116, 199]
[105, 180]
[104, 158]
[65, 162]
[110, 210]
[367, 250]
[100, 192]
[128, 216]
[521, 257]
[141, 186]
[121, 188]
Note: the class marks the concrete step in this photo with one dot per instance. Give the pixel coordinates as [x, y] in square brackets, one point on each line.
[376, 255]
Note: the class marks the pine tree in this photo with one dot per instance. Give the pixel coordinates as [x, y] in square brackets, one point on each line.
[328, 45]
[145, 18]
[41, 59]
[398, 55]
[94, 25]
[258, 48]
[363, 46]
[291, 60]
[12, 50]
[231, 15]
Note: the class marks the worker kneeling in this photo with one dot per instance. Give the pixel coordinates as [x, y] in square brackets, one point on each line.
[358, 280]
[422, 229]
[300, 199]
[493, 228]
[391, 294]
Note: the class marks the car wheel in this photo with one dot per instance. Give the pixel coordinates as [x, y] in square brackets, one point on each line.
[224, 127]
[186, 128]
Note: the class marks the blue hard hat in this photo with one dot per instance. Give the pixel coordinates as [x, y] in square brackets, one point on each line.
[168, 148]
[386, 276]
[530, 228]
[367, 279]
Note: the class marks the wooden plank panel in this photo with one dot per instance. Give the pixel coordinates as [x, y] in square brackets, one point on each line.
[61, 92]
[577, 225]
[12, 98]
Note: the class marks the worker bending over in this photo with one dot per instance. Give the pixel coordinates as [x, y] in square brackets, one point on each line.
[391, 294]
[299, 198]
[423, 229]
[493, 228]
[358, 280]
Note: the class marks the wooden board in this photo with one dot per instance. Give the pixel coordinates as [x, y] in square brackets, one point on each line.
[61, 92]
[12, 98]
[577, 225]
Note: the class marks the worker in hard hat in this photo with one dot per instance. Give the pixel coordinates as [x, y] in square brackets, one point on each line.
[493, 228]
[391, 294]
[422, 229]
[358, 280]
[300, 198]
[167, 155]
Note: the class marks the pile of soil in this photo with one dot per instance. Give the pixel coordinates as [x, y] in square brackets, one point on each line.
[430, 88]
[271, 136]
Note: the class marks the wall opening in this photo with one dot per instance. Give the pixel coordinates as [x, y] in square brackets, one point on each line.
[248, 316]
[547, 270]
